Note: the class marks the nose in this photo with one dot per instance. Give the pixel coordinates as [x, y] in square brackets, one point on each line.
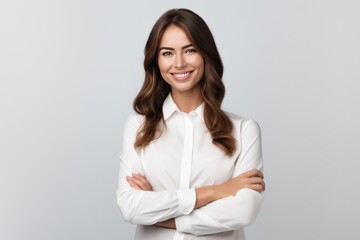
[180, 61]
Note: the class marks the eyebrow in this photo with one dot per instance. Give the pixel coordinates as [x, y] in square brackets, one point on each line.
[169, 48]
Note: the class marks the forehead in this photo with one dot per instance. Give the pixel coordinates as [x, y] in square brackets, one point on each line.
[174, 36]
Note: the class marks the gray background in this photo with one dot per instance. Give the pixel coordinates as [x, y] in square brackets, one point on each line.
[69, 71]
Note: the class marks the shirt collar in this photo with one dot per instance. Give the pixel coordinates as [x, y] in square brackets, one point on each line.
[169, 107]
[200, 111]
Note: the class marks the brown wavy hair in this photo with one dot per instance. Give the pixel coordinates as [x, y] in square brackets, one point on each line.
[150, 99]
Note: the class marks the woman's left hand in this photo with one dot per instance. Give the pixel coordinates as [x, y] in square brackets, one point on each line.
[139, 182]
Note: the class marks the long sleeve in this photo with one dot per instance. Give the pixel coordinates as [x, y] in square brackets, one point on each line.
[235, 212]
[145, 207]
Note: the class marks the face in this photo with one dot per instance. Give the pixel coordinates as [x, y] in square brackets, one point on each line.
[180, 64]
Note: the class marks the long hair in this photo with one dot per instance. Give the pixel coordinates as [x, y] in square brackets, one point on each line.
[150, 99]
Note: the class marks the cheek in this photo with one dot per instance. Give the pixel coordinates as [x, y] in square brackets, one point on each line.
[198, 62]
[163, 65]
[163, 69]
[200, 65]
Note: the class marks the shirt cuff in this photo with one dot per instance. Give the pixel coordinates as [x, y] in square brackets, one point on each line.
[187, 198]
[183, 224]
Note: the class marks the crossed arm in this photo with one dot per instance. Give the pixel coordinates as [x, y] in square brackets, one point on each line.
[253, 179]
[204, 210]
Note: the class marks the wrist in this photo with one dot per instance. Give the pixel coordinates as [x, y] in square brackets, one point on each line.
[217, 192]
[205, 195]
[170, 223]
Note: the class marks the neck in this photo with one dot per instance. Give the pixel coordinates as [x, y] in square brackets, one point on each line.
[187, 101]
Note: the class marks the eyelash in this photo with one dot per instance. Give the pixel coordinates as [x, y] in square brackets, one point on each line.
[191, 50]
[166, 53]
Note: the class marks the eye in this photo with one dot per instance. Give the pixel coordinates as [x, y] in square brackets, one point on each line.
[191, 50]
[166, 54]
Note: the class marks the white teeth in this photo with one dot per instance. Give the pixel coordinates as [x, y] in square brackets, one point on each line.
[181, 75]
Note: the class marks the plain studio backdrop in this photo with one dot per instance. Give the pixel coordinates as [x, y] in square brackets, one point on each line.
[69, 71]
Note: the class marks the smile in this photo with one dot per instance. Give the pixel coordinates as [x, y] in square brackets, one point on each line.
[181, 76]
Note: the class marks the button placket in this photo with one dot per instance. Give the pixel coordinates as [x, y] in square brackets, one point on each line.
[186, 161]
[187, 154]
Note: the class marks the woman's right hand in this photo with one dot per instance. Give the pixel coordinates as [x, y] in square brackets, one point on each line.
[139, 182]
[253, 179]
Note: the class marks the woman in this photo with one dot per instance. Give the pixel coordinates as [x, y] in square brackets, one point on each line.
[188, 170]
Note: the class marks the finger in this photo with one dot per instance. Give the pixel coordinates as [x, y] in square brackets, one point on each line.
[262, 186]
[255, 173]
[258, 173]
[257, 187]
[140, 177]
[143, 185]
[250, 173]
[137, 181]
[256, 180]
[144, 181]
[133, 184]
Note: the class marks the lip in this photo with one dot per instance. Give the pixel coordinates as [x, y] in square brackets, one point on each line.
[185, 75]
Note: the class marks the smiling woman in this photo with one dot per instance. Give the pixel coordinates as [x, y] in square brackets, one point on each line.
[188, 170]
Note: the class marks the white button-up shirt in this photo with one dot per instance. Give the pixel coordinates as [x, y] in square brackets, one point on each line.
[182, 159]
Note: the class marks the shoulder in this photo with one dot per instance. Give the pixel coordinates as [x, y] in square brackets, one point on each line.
[135, 118]
[243, 125]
